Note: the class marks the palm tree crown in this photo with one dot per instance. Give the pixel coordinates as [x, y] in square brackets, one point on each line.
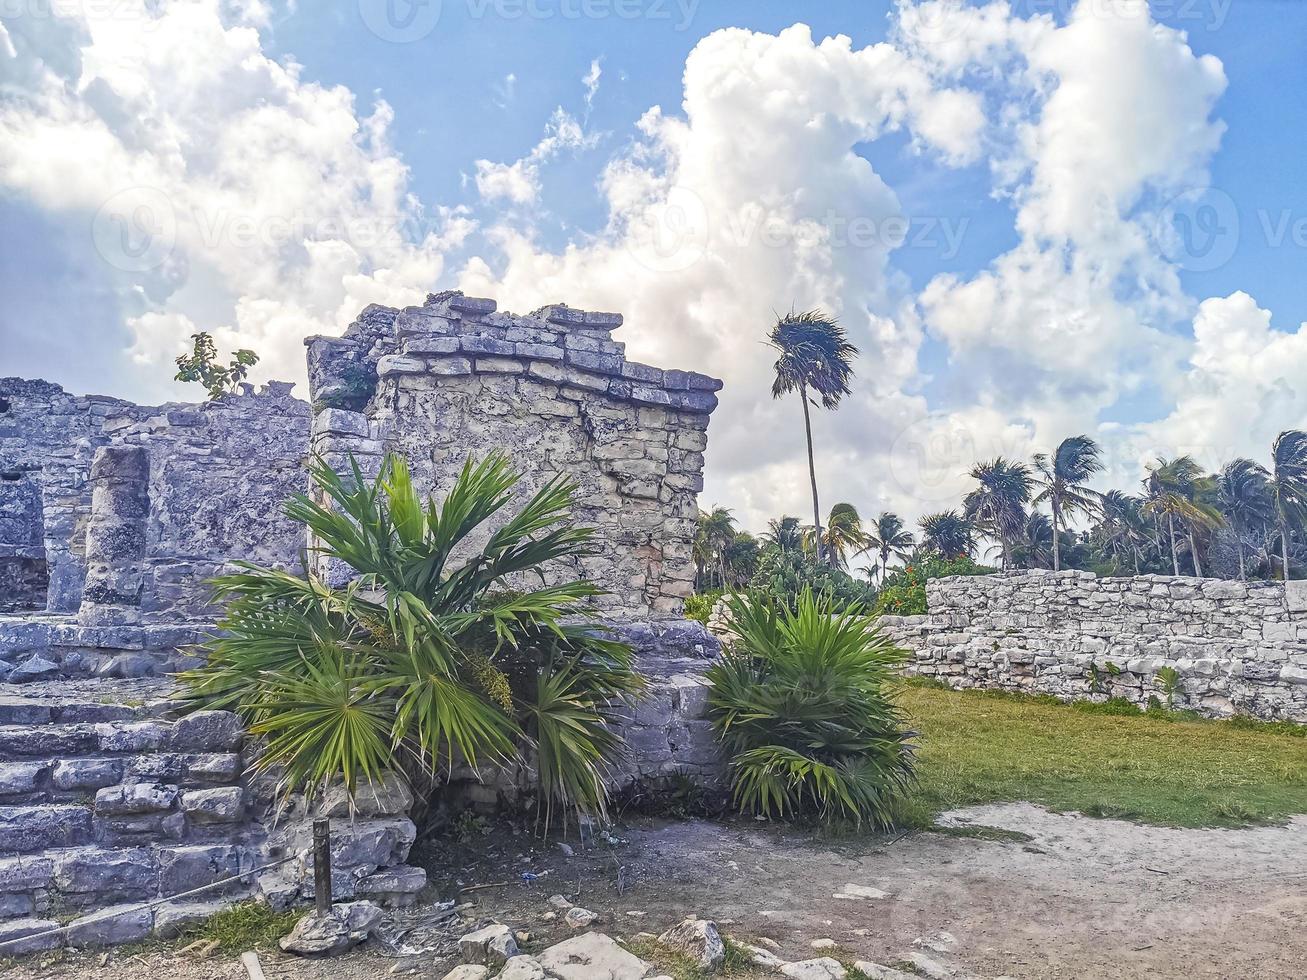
[888, 537]
[948, 533]
[1288, 487]
[998, 505]
[1243, 499]
[1175, 489]
[815, 354]
[843, 534]
[1062, 478]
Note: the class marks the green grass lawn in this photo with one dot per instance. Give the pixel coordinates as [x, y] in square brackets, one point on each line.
[984, 746]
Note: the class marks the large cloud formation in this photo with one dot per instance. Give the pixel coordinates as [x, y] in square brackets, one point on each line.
[231, 194]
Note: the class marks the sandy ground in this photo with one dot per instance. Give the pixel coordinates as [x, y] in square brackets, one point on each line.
[1081, 898]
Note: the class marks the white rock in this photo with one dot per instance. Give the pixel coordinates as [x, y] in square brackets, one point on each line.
[467, 971]
[579, 918]
[852, 891]
[522, 968]
[822, 944]
[493, 945]
[592, 956]
[874, 971]
[822, 968]
[760, 957]
[930, 968]
[697, 939]
[559, 902]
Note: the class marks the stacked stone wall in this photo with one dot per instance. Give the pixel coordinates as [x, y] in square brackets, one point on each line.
[454, 378]
[1238, 647]
[218, 473]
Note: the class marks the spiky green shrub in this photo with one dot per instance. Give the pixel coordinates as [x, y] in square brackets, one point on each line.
[430, 657]
[801, 705]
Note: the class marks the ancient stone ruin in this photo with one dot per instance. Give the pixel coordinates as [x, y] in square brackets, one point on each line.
[1237, 647]
[114, 515]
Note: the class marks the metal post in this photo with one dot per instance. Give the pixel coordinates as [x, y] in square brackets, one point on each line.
[322, 865]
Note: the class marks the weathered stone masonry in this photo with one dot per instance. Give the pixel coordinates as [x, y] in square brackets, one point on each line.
[113, 515]
[215, 479]
[454, 377]
[1239, 647]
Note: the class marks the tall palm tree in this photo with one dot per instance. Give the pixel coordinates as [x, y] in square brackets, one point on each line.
[815, 355]
[740, 558]
[715, 532]
[1288, 487]
[998, 505]
[1175, 489]
[1033, 548]
[1120, 530]
[1061, 479]
[889, 537]
[948, 533]
[784, 534]
[842, 536]
[1245, 501]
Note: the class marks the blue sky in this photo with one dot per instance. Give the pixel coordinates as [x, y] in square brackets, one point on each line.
[1049, 159]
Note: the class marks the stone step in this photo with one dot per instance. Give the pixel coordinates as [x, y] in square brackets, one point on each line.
[202, 731]
[29, 781]
[93, 875]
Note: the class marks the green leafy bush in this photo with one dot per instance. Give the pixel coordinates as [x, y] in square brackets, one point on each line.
[904, 591]
[429, 657]
[785, 574]
[700, 605]
[799, 702]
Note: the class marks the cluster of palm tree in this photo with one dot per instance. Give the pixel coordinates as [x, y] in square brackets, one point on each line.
[1182, 520]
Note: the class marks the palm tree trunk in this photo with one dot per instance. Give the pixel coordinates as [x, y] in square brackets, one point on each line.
[1175, 556]
[884, 567]
[1284, 545]
[812, 471]
[1238, 543]
[1057, 551]
[1193, 553]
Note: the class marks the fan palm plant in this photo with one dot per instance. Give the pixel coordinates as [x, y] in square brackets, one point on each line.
[1061, 480]
[815, 355]
[889, 538]
[842, 536]
[801, 706]
[948, 533]
[433, 655]
[1288, 487]
[1175, 490]
[1245, 502]
[998, 505]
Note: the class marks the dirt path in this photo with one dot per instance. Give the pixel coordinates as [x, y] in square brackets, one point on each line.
[1082, 898]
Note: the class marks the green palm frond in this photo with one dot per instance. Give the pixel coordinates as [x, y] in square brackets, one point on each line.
[801, 705]
[405, 669]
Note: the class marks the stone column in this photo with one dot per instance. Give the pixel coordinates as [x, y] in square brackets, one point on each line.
[115, 537]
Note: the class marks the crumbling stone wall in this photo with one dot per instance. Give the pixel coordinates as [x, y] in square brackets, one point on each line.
[454, 377]
[1239, 647]
[218, 473]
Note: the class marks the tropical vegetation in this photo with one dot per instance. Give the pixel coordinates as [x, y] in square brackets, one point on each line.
[801, 703]
[439, 652]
